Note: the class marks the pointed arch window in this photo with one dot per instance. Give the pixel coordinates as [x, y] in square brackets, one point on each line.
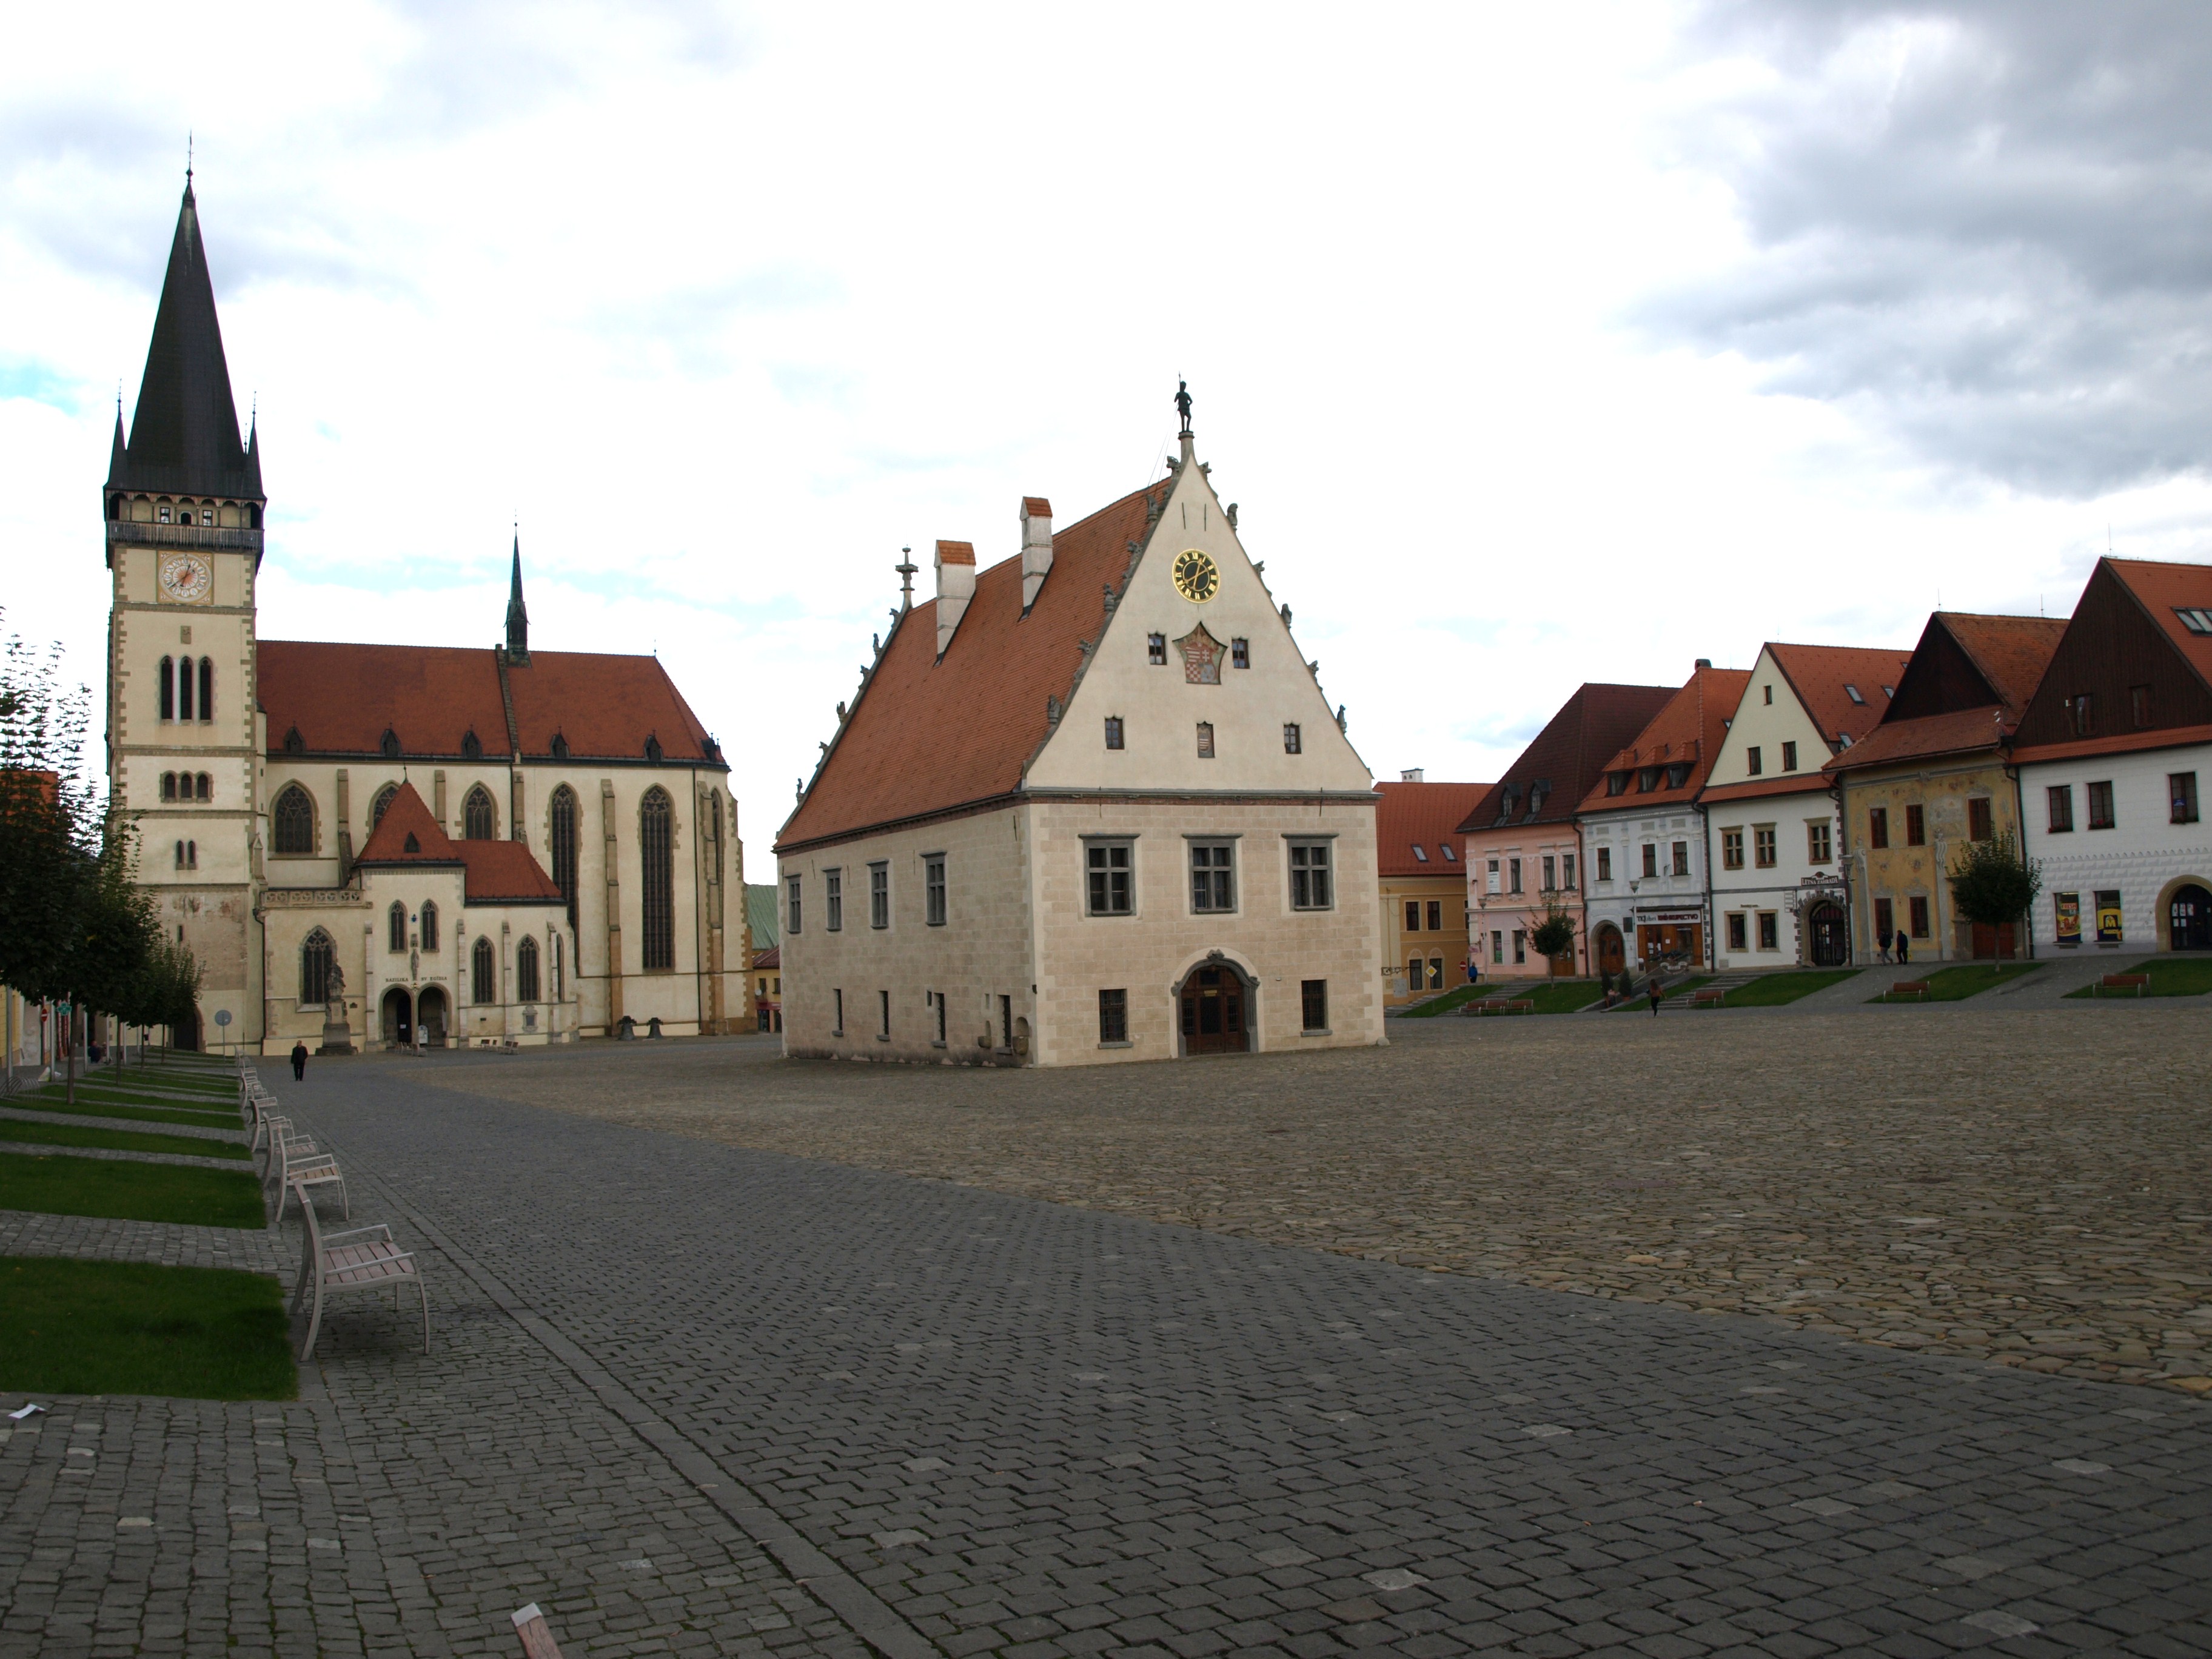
[526, 970]
[655, 841]
[472, 745]
[294, 821]
[168, 689]
[184, 688]
[564, 847]
[207, 689]
[429, 927]
[315, 958]
[395, 927]
[389, 744]
[483, 973]
[382, 804]
[477, 815]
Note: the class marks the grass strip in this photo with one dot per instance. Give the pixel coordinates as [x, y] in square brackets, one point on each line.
[53, 1100]
[2169, 976]
[1957, 984]
[1667, 994]
[1778, 990]
[94, 1327]
[118, 1140]
[1446, 1003]
[1564, 996]
[58, 1185]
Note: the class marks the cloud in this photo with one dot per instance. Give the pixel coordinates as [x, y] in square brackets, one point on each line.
[1982, 227]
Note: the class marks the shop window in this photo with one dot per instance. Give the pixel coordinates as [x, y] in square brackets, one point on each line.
[1980, 825]
[1497, 945]
[1769, 930]
[1917, 910]
[1762, 845]
[2181, 796]
[1915, 825]
[1731, 849]
[2100, 806]
[2066, 918]
[1738, 932]
[1106, 867]
[1877, 826]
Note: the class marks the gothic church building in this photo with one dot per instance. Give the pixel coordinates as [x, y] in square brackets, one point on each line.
[370, 844]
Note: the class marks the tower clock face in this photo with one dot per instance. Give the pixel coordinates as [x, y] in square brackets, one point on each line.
[187, 578]
[1196, 577]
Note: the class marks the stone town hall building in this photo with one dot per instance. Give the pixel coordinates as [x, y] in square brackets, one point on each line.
[489, 844]
[1089, 806]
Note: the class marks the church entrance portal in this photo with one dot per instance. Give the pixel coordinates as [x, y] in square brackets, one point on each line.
[398, 1018]
[1215, 1011]
[430, 1009]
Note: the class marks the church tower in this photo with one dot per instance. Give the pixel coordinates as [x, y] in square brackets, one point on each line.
[183, 508]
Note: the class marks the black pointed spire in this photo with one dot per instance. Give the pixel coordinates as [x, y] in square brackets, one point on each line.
[518, 618]
[184, 437]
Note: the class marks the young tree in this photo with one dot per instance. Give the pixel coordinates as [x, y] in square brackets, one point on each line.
[1992, 884]
[1554, 935]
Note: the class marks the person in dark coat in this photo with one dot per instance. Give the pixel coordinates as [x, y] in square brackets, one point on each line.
[1903, 948]
[1652, 986]
[299, 1061]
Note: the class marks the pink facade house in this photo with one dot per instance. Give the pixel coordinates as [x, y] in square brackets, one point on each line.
[1523, 846]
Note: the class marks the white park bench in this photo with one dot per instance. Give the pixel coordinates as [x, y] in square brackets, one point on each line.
[297, 1165]
[364, 1258]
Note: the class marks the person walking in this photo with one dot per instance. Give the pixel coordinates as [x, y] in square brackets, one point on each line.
[299, 1061]
[1903, 948]
[1652, 987]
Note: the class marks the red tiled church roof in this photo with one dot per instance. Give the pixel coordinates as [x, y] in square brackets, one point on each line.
[493, 872]
[1423, 814]
[341, 699]
[929, 736]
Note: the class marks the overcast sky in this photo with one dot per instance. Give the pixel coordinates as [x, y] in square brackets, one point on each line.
[1538, 344]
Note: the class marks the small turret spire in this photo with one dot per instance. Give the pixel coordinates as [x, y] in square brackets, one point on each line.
[518, 618]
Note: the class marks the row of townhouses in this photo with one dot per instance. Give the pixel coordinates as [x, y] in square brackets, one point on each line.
[1808, 812]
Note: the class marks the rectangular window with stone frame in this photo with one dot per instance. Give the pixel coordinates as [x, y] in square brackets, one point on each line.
[1213, 877]
[1313, 1004]
[1731, 849]
[1681, 858]
[1113, 731]
[1292, 742]
[932, 888]
[1819, 841]
[1109, 868]
[790, 918]
[1762, 845]
[1205, 740]
[1113, 1016]
[1310, 888]
[880, 895]
[1412, 916]
[833, 904]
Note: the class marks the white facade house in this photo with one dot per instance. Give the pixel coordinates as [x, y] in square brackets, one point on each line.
[1772, 825]
[2113, 758]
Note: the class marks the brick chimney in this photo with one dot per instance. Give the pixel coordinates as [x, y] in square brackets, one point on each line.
[1036, 547]
[956, 586]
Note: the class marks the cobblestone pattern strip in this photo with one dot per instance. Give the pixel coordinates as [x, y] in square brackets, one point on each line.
[98, 1238]
[1036, 1430]
[2034, 1189]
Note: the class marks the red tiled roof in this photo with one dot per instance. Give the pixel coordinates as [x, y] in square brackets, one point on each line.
[407, 834]
[2118, 742]
[1570, 752]
[771, 957]
[342, 698]
[493, 872]
[1960, 732]
[1689, 728]
[2163, 589]
[1786, 783]
[929, 736]
[955, 553]
[2012, 651]
[1424, 814]
[1819, 675]
[1036, 506]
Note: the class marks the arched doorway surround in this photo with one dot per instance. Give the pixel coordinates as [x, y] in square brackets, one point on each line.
[398, 1017]
[185, 1033]
[2187, 912]
[430, 1009]
[1609, 948]
[1827, 941]
[1214, 1009]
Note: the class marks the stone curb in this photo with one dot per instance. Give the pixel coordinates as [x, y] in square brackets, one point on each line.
[120, 1155]
[127, 1125]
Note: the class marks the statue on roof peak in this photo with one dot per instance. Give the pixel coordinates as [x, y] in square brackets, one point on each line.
[1182, 405]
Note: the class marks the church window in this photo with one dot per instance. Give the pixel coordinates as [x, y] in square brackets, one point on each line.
[564, 845]
[477, 815]
[168, 786]
[525, 971]
[315, 969]
[207, 687]
[429, 927]
[294, 817]
[560, 967]
[184, 688]
[382, 804]
[656, 826]
[483, 973]
[395, 927]
[168, 689]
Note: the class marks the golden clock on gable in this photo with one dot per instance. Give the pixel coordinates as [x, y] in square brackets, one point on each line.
[188, 579]
[1196, 576]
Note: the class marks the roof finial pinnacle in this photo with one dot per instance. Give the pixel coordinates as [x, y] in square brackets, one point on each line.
[905, 568]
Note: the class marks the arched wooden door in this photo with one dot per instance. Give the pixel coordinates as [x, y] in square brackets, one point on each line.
[1831, 942]
[1612, 949]
[1215, 1011]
